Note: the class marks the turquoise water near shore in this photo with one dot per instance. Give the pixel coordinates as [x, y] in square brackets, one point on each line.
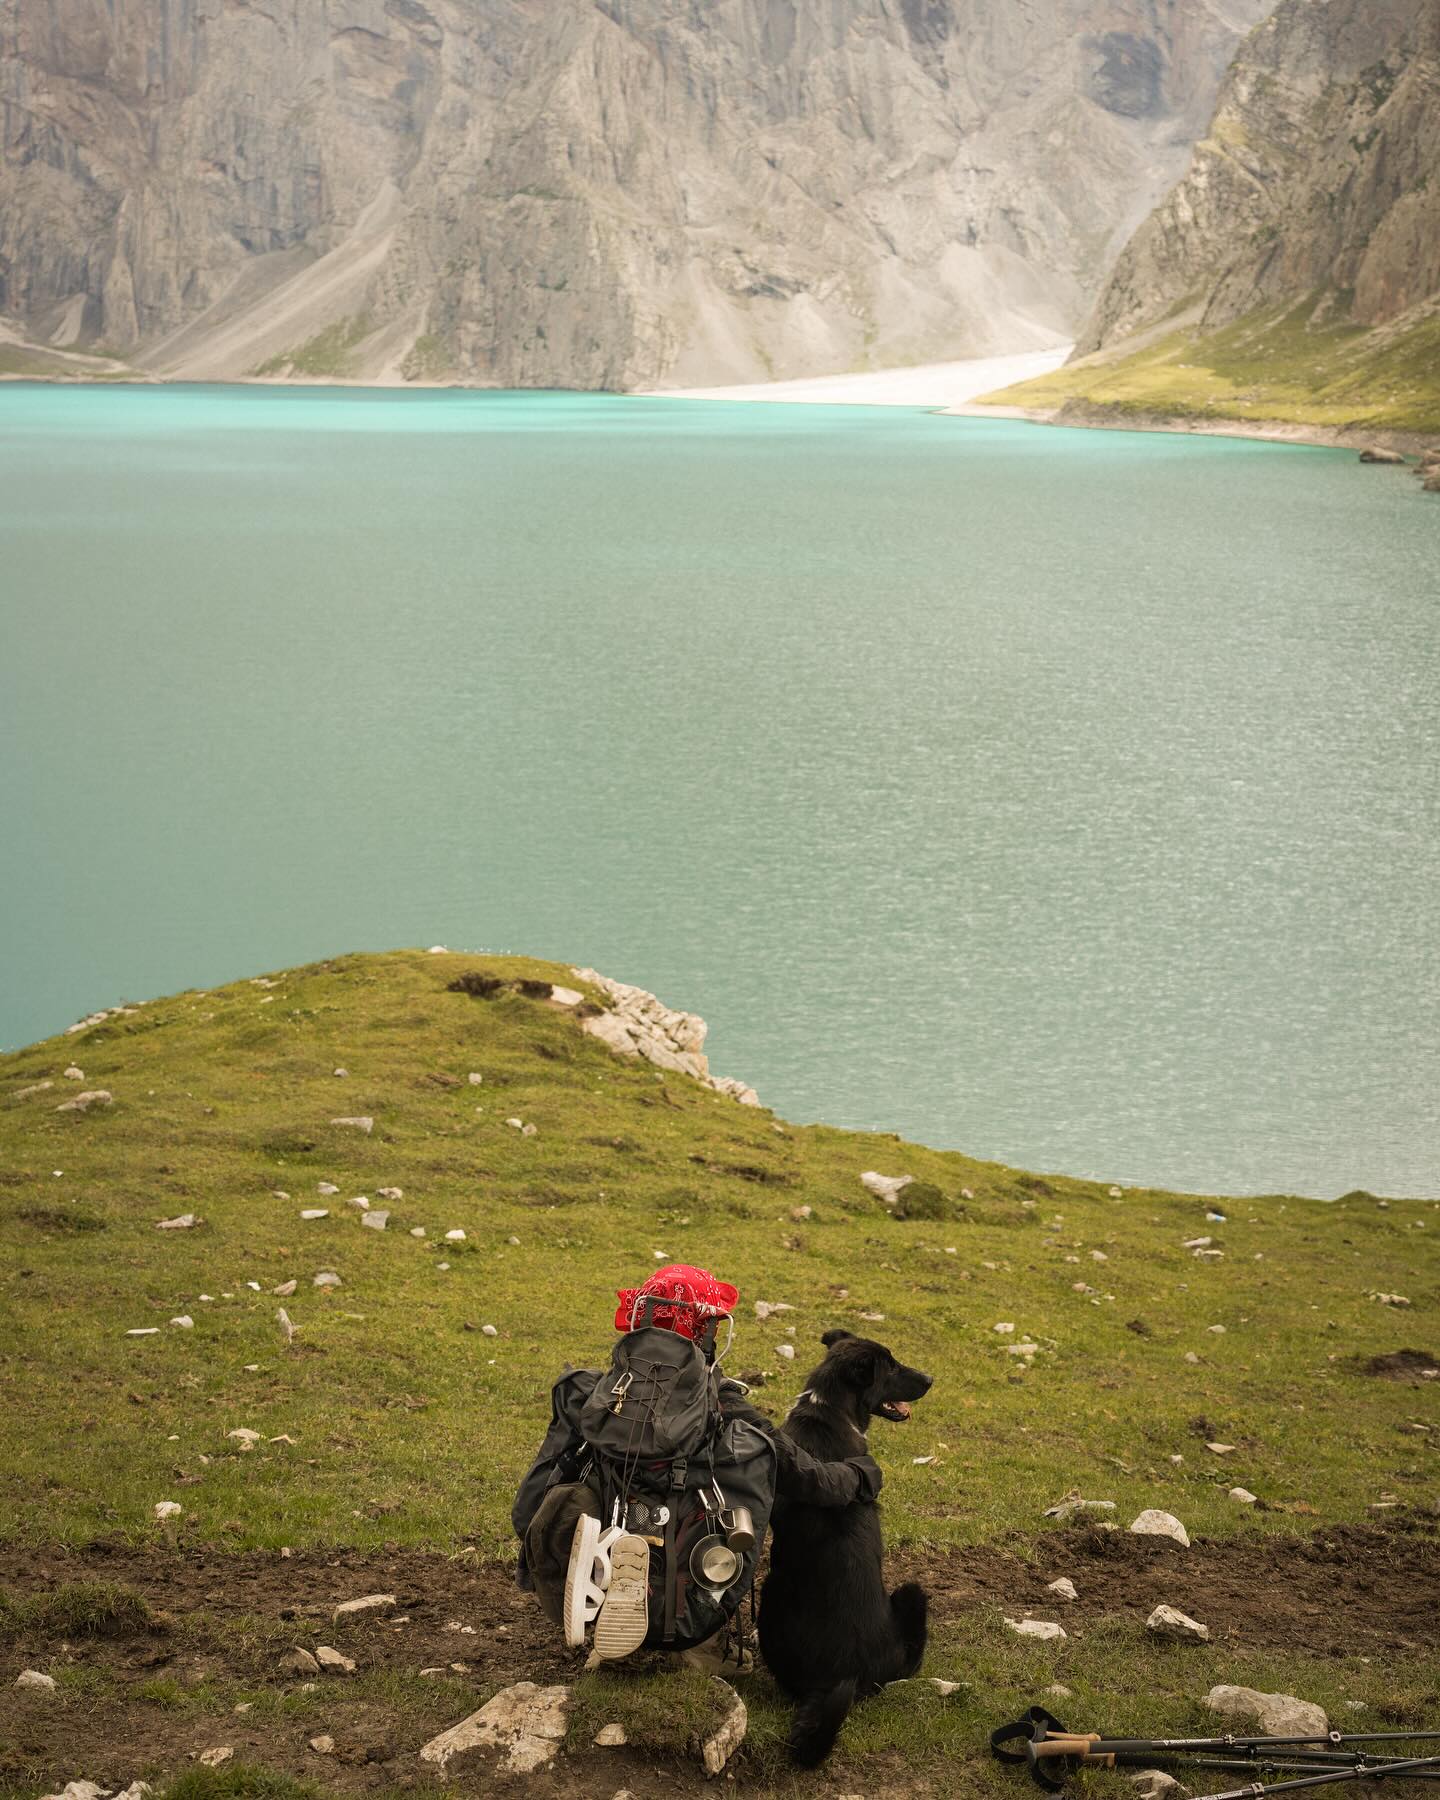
[1066, 797]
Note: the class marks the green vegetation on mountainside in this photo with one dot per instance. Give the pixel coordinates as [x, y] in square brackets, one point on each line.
[411, 1424]
[1270, 366]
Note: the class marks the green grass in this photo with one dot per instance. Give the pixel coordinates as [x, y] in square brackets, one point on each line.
[412, 1426]
[1270, 366]
[76, 1610]
[325, 354]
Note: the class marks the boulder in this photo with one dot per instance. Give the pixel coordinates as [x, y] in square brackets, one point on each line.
[1280, 1715]
[728, 1736]
[1154, 1523]
[522, 1727]
[1170, 1622]
[887, 1188]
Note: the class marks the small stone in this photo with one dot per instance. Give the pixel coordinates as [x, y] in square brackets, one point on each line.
[367, 1603]
[1045, 1629]
[1154, 1523]
[326, 1187]
[944, 1688]
[1391, 1299]
[183, 1223]
[143, 1331]
[35, 1087]
[334, 1662]
[1216, 1330]
[801, 1213]
[1280, 1715]
[361, 1202]
[285, 1289]
[279, 1194]
[212, 1759]
[1058, 1691]
[168, 1509]
[786, 1350]
[873, 1318]
[455, 1237]
[363, 1123]
[515, 1240]
[887, 1188]
[391, 1193]
[1072, 1504]
[324, 1745]
[1116, 1193]
[417, 1231]
[610, 1737]
[764, 1309]
[342, 1073]
[728, 1736]
[444, 1268]
[244, 1435]
[525, 1724]
[376, 1219]
[489, 1331]
[1098, 1256]
[1156, 1784]
[184, 1321]
[83, 1102]
[923, 1462]
[1220, 1449]
[516, 1124]
[315, 1212]
[1243, 1495]
[73, 1074]
[1004, 1328]
[528, 1130]
[476, 1079]
[1191, 1357]
[327, 1278]
[1064, 1587]
[32, 1678]
[298, 1662]
[1170, 1622]
[563, 996]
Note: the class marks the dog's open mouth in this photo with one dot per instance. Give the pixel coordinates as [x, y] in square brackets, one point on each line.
[895, 1410]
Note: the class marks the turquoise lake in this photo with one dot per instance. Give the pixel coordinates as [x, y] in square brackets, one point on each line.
[1071, 798]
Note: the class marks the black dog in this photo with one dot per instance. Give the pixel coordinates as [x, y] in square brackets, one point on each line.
[829, 1632]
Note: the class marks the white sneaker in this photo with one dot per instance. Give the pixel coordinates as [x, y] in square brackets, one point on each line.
[625, 1611]
[588, 1575]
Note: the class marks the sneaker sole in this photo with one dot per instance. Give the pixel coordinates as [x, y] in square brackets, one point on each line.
[582, 1558]
[625, 1616]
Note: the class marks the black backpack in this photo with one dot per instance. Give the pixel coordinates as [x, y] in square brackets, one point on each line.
[648, 1436]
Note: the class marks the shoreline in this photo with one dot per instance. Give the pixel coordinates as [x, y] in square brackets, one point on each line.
[1079, 416]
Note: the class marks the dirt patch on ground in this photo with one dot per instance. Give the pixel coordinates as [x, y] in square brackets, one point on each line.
[150, 1700]
[1403, 1365]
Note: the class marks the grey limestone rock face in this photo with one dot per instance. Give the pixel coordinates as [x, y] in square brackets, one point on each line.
[1314, 179]
[597, 195]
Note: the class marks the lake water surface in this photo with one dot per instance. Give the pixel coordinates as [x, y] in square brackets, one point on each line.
[1066, 797]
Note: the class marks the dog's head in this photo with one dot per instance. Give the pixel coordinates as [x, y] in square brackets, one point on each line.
[864, 1380]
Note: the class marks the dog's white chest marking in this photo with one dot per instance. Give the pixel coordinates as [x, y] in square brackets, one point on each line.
[810, 1398]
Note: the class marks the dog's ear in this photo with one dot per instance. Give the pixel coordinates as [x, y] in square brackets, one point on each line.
[836, 1335]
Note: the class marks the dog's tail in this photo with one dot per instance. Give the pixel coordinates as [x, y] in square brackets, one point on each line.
[817, 1723]
[910, 1608]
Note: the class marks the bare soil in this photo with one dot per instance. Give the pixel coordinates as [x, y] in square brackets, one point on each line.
[1349, 1590]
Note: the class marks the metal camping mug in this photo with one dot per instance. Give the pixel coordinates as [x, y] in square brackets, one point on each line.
[713, 1563]
[739, 1528]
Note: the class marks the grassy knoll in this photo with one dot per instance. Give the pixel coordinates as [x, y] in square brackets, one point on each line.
[1272, 366]
[409, 1425]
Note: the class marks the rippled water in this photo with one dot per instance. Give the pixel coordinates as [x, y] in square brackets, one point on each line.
[1068, 797]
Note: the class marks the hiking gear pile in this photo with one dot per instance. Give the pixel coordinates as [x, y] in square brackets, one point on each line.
[1052, 1752]
[644, 1453]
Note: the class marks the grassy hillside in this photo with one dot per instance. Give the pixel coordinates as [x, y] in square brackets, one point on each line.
[1270, 366]
[393, 1425]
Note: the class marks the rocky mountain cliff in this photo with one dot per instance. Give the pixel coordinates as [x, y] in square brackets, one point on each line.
[1317, 186]
[589, 193]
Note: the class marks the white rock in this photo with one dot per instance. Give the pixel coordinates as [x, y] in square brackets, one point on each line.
[324, 1745]
[786, 1350]
[1191, 1357]
[1064, 1587]
[610, 1737]
[74, 1074]
[516, 1124]
[326, 1187]
[391, 1193]
[801, 1213]
[285, 1289]
[335, 1661]
[287, 1325]
[367, 1603]
[525, 1724]
[361, 1202]
[1027, 1349]
[1243, 1495]
[1216, 1330]
[212, 1759]
[183, 1223]
[528, 1130]
[1037, 1628]
[1098, 1256]
[327, 1278]
[81, 1790]
[83, 1102]
[364, 1123]
[1057, 1691]
[35, 1087]
[944, 1688]
[885, 1187]
[476, 1078]
[32, 1678]
[455, 1237]
[143, 1331]
[722, 1744]
[1280, 1715]
[1005, 1327]
[137, 1790]
[376, 1219]
[765, 1309]
[444, 1268]
[922, 1462]
[168, 1509]
[1384, 1299]
[1170, 1622]
[489, 1331]
[1154, 1523]
[279, 1194]
[563, 996]
[1066, 1509]
[1200, 1243]
[516, 1241]
[1220, 1449]
[417, 1231]
[184, 1321]
[1116, 1193]
[315, 1212]
[298, 1661]
[1156, 1784]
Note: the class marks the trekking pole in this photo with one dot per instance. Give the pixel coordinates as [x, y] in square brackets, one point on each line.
[1363, 1771]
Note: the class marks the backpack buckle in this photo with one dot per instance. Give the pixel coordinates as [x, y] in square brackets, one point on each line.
[620, 1390]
